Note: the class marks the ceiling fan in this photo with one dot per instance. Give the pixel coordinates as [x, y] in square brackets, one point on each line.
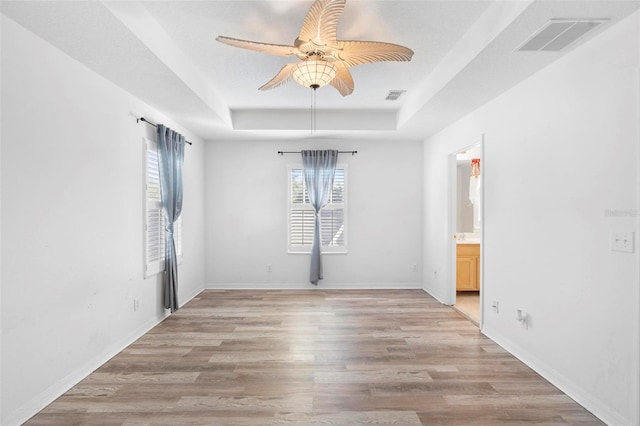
[325, 59]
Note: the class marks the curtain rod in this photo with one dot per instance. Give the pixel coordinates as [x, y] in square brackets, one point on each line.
[300, 152]
[155, 125]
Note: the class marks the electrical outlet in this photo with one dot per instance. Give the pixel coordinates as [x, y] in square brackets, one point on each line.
[435, 274]
[523, 319]
[136, 305]
[495, 306]
[622, 242]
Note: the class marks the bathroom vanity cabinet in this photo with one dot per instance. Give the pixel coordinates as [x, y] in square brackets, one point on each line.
[468, 267]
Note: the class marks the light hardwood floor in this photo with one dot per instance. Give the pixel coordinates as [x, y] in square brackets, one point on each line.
[468, 304]
[314, 357]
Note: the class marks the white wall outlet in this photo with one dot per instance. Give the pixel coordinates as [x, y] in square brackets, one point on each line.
[622, 241]
[136, 305]
[435, 274]
[495, 306]
[523, 319]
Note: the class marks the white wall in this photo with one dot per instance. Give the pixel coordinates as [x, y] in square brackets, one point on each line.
[246, 214]
[560, 150]
[72, 222]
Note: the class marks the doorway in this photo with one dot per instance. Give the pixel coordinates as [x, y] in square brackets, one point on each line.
[466, 229]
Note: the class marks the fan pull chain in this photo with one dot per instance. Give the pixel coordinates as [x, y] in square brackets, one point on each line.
[314, 120]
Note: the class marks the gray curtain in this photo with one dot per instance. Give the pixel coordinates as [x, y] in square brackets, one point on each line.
[319, 170]
[170, 160]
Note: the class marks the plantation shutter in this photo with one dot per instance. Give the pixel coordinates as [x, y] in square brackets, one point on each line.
[332, 216]
[301, 227]
[154, 218]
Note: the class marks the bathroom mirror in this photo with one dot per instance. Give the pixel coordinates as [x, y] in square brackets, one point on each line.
[468, 192]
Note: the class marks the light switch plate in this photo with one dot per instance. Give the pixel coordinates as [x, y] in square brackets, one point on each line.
[622, 241]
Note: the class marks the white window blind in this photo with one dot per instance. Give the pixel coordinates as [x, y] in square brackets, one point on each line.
[154, 218]
[333, 217]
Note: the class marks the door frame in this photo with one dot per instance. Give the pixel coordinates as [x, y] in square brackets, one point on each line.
[452, 204]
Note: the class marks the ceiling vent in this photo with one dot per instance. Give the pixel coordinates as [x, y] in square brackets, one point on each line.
[394, 95]
[558, 34]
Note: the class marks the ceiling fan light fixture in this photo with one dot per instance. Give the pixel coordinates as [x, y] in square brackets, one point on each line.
[326, 59]
[314, 74]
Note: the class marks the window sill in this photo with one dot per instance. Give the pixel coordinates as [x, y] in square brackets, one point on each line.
[324, 252]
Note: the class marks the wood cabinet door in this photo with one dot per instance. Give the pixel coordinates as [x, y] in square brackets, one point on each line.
[466, 273]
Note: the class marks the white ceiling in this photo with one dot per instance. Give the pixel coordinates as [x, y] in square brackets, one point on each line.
[165, 53]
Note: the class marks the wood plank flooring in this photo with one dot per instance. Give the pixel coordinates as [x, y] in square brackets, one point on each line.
[314, 357]
[468, 304]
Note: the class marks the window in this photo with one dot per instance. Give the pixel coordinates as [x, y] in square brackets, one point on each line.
[155, 222]
[333, 216]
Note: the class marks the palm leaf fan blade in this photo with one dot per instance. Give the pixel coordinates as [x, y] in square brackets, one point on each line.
[321, 23]
[281, 78]
[343, 81]
[272, 49]
[354, 53]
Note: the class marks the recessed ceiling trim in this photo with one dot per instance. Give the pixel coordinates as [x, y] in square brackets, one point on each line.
[558, 34]
[298, 119]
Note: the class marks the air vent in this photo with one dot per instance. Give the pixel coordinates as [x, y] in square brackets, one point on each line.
[558, 34]
[394, 95]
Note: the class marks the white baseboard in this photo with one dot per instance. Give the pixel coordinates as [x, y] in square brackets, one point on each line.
[190, 296]
[575, 392]
[40, 401]
[436, 296]
[309, 286]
